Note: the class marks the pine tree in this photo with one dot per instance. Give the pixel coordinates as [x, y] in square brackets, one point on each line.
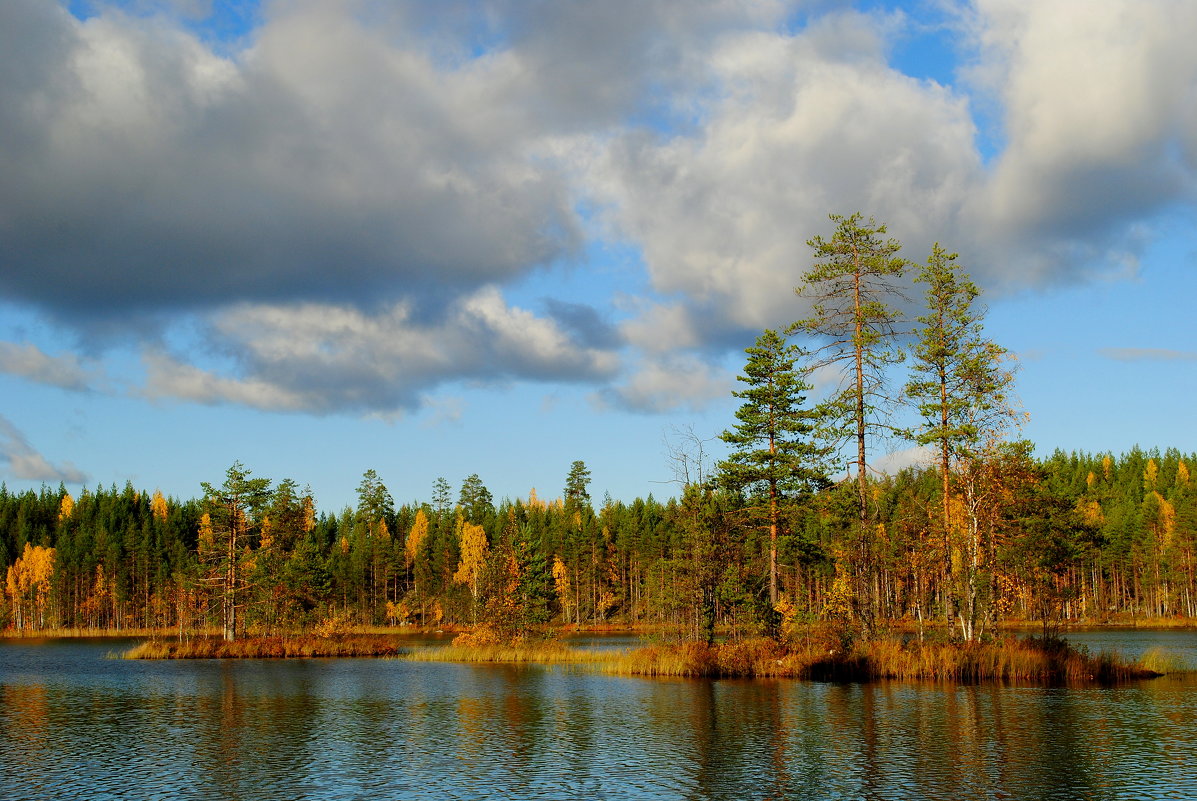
[962, 393]
[853, 287]
[231, 510]
[775, 450]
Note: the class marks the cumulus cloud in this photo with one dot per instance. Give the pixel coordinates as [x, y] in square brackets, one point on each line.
[1099, 128]
[341, 194]
[142, 171]
[803, 125]
[32, 363]
[26, 463]
[669, 383]
[322, 358]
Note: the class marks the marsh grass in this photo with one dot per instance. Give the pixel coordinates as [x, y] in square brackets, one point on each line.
[541, 653]
[77, 632]
[265, 648]
[892, 658]
[1161, 660]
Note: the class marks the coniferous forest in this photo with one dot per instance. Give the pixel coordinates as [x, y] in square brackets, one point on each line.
[793, 527]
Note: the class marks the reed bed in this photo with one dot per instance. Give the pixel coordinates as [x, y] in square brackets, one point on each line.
[1008, 659]
[265, 648]
[536, 653]
[82, 632]
[1163, 661]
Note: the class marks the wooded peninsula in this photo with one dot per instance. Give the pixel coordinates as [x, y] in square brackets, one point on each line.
[765, 543]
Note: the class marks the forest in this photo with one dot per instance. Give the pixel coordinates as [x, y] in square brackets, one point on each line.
[792, 528]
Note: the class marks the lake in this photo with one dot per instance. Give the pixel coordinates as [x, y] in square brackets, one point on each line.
[77, 725]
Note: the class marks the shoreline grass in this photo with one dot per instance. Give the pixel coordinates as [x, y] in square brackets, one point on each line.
[895, 656]
[1009, 659]
[303, 647]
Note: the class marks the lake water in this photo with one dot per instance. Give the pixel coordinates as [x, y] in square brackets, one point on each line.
[76, 725]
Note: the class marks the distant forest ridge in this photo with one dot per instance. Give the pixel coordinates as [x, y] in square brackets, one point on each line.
[1076, 536]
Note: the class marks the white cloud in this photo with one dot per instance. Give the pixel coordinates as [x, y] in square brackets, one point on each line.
[26, 463]
[31, 362]
[667, 384]
[802, 126]
[321, 358]
[1100, 132]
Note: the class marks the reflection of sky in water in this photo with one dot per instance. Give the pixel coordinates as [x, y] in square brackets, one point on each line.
[75, 725]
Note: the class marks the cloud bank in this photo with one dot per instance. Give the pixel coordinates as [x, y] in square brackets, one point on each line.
[343, 195]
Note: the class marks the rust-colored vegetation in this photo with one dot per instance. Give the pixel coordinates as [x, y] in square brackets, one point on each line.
[265, 648]
[1009, 659]
[1003, 660]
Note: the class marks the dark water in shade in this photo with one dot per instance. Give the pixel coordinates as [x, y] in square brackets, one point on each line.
[75, 725]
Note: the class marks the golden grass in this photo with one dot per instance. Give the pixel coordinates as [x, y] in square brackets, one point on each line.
[1163, 661]
[39, 634]
[1009, 659]
[540, 653]
[264, 648]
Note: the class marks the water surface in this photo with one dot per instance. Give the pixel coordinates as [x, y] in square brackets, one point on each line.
[75, 725]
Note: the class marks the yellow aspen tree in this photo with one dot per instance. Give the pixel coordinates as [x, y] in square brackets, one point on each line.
[1107, 467]
[158, 506]
[415, 537]
[473, 555]
[1150, 474]
[66, 507]
[1182, 474]
[309, 514]
[562, 584]
[535, 502]
[27, 583]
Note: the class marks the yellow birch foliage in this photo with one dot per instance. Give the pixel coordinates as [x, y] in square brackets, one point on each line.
[1150, 474]
[309, 514]
[535, 502]
[397, 612]
[561, 578]
[267, 539]
[28, 577]
[66, 507]
[1165, 517]
[207, 539]
[1107, 467]
[1182, 474]
[158, 506]
[415, 537]
[1090, 512]
[473, 554]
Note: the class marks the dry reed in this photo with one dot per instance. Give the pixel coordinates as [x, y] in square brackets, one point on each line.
[1009, 659]
[264, 648]
[538, 653]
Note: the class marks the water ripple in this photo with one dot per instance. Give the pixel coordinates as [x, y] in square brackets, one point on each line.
[76, 726]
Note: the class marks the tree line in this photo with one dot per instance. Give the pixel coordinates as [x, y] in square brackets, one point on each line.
[792, 527]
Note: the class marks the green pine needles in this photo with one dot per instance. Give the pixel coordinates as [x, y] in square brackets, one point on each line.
[775, 452]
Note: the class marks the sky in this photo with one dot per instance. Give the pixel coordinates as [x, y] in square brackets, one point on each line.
[498, 236]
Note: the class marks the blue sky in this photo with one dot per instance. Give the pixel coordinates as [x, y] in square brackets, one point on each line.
[497, 237]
